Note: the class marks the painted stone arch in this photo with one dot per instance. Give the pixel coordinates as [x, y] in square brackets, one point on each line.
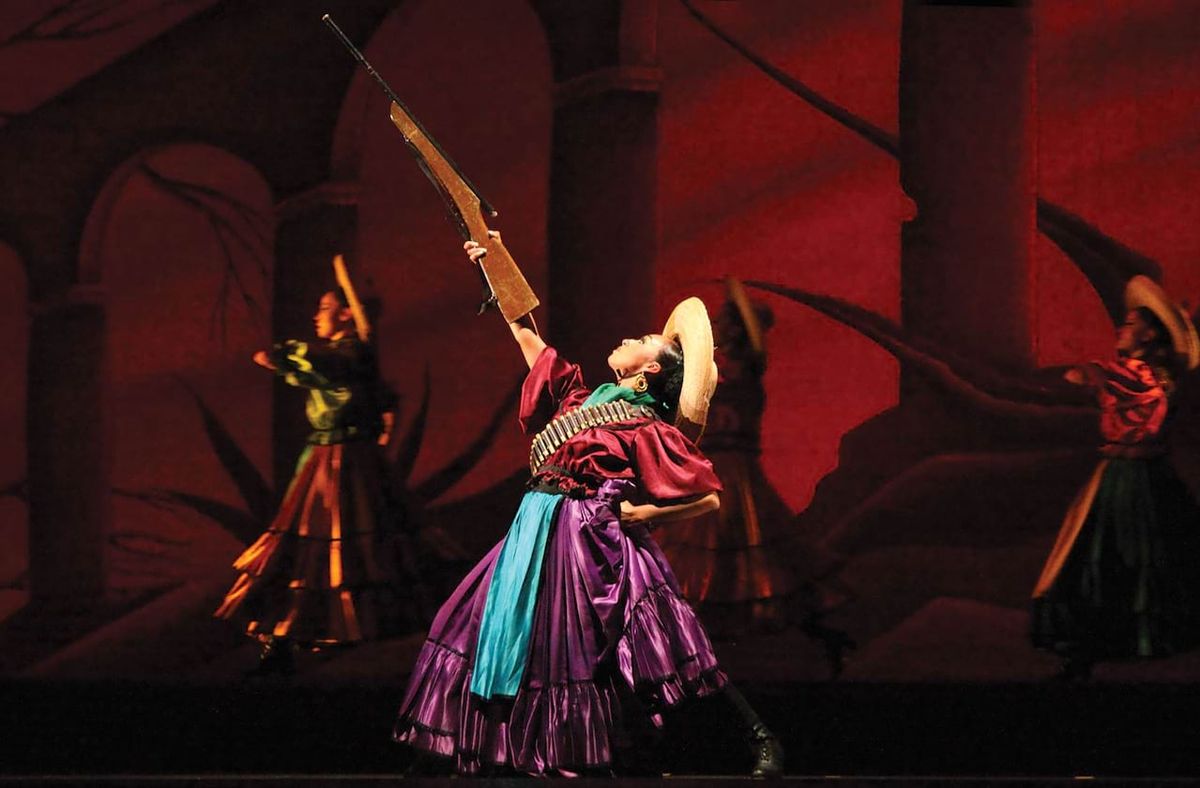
[179, 241]
[14, 514]
[406, 247]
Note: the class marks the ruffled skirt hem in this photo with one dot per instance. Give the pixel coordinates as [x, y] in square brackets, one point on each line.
[663, 656]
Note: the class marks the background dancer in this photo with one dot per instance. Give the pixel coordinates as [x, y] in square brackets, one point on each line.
[329, 569]
[746, 568]
[1121, 580]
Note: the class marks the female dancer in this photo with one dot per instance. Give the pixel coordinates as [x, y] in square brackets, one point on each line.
[1121, 580]
[326, 570]
[747, 567]
[523, 661]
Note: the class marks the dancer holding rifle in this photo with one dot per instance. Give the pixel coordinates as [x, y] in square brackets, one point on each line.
[522, 664]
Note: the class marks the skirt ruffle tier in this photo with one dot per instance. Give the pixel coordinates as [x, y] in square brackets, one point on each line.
[1122, 581]
[326, 571]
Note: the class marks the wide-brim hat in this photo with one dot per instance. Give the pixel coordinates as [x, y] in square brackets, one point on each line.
[1143, 292]
[689, 326]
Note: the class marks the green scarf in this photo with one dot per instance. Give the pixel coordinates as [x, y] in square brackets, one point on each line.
[611, 392]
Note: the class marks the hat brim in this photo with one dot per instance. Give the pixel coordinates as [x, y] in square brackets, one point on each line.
[1144, 293]
[689, 325]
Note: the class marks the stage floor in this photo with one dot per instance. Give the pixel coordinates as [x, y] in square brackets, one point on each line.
[708, 781]
[276, 733]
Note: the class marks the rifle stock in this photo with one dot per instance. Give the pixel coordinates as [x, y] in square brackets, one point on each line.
[509, 289]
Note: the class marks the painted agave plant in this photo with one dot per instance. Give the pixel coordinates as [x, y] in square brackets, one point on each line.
[415, 499]
[444, 555]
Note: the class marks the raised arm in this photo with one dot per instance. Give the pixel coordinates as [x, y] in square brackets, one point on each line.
[524, 329]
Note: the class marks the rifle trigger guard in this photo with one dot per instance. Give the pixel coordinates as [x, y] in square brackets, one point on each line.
[489, 296]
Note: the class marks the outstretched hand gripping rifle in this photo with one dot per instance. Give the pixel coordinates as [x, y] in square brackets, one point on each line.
[503, 283]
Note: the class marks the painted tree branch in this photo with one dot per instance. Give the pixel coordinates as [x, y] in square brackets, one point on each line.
[881, 139]
[232, 221]
[79, 20]
[985, 389]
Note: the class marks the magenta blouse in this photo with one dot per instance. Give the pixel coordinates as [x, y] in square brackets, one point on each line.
[1133, 407]
[666, 467]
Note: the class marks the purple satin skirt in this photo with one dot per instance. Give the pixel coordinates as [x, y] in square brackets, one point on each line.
[608, 611]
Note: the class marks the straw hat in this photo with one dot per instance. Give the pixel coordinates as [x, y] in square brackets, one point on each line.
[689, 326]
[1144, 293]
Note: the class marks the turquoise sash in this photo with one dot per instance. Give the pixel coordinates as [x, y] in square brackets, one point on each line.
[508, 614]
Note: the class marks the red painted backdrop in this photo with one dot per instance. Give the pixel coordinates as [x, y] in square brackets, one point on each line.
[752, 182]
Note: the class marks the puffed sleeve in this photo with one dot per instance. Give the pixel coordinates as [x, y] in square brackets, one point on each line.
[314, 366]
[552, 383]
[1133, 404]
[669, 466]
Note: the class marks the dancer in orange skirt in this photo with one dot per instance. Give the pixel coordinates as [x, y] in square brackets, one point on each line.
[747, 566]
[331, 568]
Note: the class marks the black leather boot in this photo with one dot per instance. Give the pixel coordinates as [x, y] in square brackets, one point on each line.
[278, 658]
[766, 752]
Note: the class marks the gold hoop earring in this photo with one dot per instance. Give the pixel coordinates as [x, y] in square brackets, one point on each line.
[640, 384]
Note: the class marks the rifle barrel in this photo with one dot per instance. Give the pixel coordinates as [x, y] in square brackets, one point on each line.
[391, 94]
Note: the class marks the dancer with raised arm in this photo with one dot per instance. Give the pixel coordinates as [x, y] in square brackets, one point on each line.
[1121, 581]
[522, 664]
[332, 568]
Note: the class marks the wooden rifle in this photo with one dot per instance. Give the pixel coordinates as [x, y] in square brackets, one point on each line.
[503, 283]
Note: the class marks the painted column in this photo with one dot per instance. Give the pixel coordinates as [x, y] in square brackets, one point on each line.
[70, 511]
[968, 161]
[603, 233]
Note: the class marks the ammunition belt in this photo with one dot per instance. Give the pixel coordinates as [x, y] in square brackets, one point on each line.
[567, 425]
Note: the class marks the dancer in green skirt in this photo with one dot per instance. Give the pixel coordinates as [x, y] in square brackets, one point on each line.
[1123, 578]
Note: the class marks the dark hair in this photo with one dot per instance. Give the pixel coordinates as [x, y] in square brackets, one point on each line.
[1160, 351]
[372, 305]
[731, 315]
[666, 384]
